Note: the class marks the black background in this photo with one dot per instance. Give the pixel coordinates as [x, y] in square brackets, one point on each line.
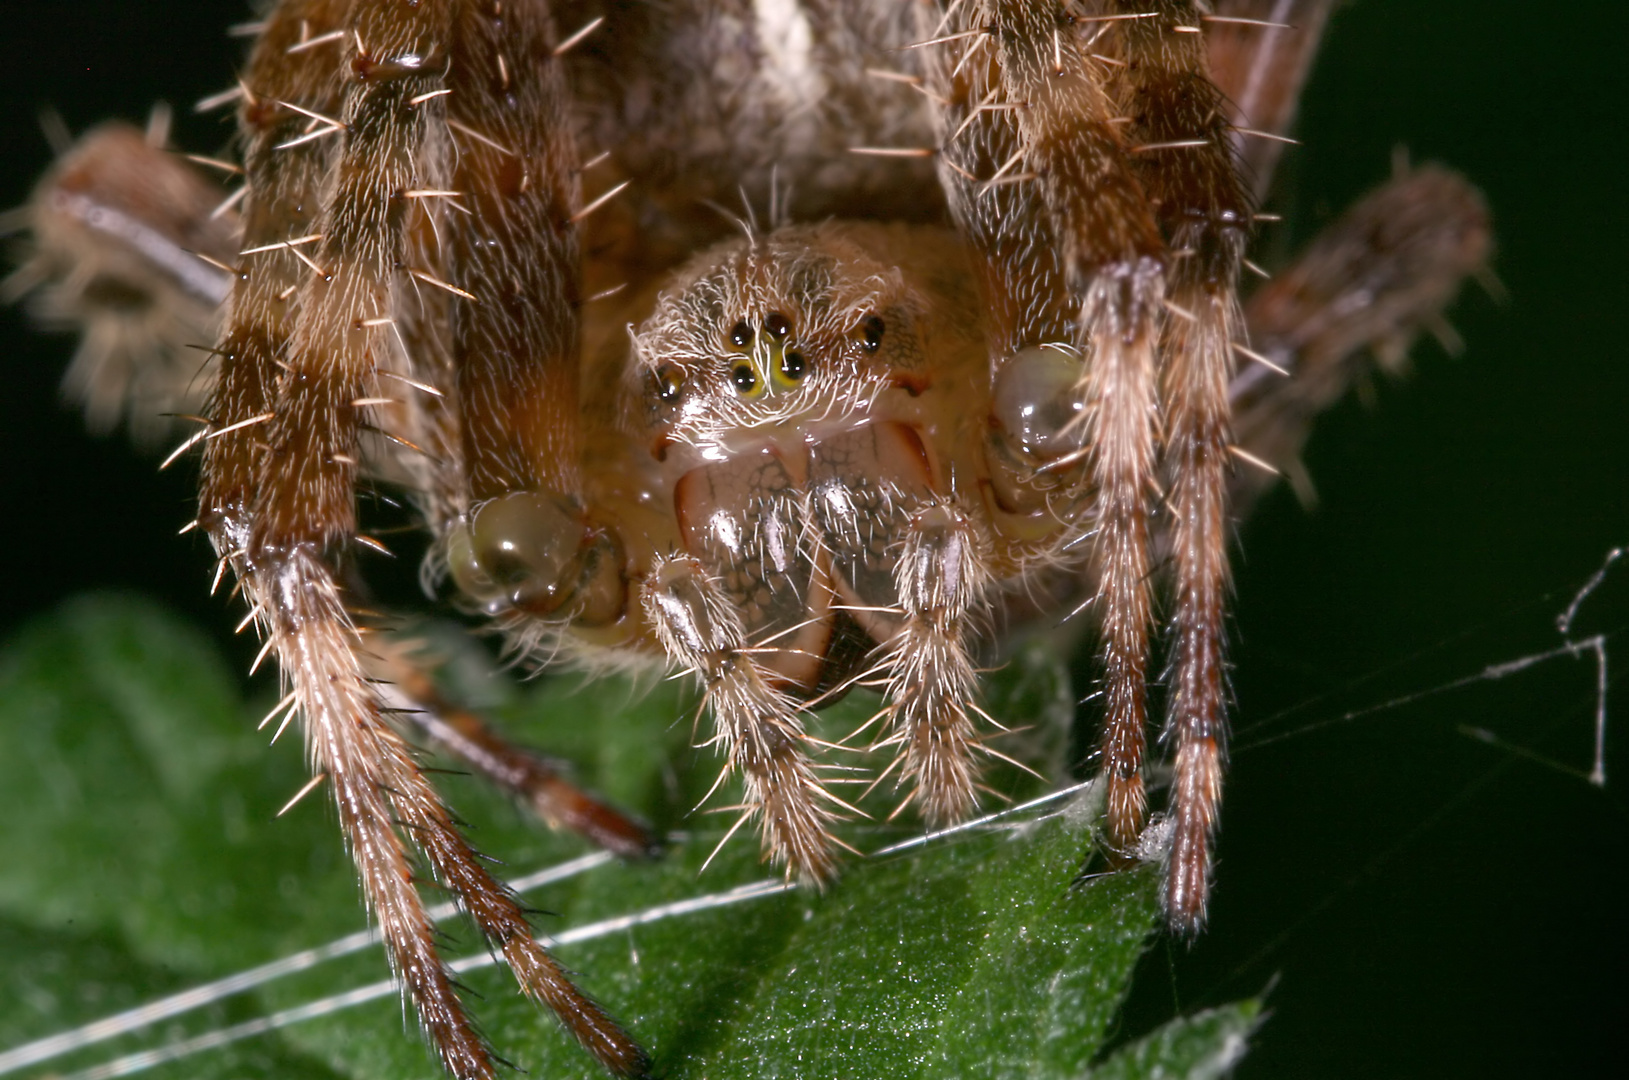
[1428, 903]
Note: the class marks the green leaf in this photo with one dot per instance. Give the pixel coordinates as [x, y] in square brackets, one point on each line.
[1199, 1047]
[145, 856]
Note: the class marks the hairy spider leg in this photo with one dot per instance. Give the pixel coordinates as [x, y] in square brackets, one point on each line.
[1104, 138]
[539, 781]
[997, 205]
[1183, 138]
[118, 206]
[1370, 282]
[279, 510]
[516, 170]
[286, 167]
[1115, 265]
[529, 551]
[1259, 54]
[756, 725]
[914, 569]
[942, 578]
[422, 448]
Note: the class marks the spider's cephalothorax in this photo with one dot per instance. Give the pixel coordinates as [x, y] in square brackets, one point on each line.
[990, 330]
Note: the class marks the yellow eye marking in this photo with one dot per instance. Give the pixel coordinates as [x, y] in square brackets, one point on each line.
[749, 381]
[773, 351]
[789, 367]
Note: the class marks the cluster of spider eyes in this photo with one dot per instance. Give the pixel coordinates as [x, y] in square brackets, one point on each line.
[778, 353]
[786, 365]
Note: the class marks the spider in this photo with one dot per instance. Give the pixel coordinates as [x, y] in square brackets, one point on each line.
[978, 365]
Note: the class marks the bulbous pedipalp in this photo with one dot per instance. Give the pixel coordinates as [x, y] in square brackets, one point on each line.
[1038, 404]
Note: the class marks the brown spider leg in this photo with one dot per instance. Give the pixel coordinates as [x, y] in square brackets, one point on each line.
[419, 375]
[529, 551]
[1179, 122]
[1372, 281]
[914, 570]
[535, 779]
[284, 169]
[503, 922]
[1114, 260]
[284, 575]
[378, 787]
[516, 343]
[756, 725]
[942, 578]
[128, 245]
[303, 507]
[1027, 309]
[1000, 213]
[1260, 66]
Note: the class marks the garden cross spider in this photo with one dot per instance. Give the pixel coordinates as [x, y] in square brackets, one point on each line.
[982, 353]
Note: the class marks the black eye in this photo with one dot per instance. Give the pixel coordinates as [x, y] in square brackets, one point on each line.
[777, 325]
[792, 366]
[873, 328]
[666, 381]
[744, 378]
[741, 336]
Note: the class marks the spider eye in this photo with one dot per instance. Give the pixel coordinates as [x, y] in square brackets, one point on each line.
[873, 328]
[745, 379]
[793, 367]
[666, 382]
[777, 325]
[741, 335]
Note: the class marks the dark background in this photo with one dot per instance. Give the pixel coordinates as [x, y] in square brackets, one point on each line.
[1428, 902]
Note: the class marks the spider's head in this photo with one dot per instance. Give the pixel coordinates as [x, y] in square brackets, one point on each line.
[783, 331]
